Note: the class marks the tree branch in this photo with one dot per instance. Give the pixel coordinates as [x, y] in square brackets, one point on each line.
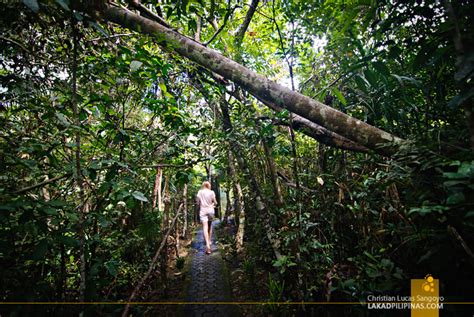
[46, 182]
[226, 18]
[148, 13]
[239, 36]
[24, 48]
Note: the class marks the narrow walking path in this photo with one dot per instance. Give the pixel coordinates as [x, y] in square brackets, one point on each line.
[209, 281]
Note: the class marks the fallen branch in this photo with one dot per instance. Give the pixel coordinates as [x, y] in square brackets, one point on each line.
[152, 264]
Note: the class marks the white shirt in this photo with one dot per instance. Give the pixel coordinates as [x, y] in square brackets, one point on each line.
[207, 200]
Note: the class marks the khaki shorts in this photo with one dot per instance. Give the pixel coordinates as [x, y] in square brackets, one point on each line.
[207, 216]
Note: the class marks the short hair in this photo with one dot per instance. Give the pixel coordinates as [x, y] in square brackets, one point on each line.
[206, 184]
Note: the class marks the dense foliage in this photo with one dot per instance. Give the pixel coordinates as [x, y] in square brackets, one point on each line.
[104, 134]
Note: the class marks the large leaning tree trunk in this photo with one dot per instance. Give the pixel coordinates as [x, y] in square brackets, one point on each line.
[314, 130]
[258, 85]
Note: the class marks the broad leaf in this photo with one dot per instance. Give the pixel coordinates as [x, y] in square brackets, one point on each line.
[139, 195]
[32, 4]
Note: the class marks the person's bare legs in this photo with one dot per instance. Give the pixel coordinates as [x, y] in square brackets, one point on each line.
[205, 230]
[210, 231]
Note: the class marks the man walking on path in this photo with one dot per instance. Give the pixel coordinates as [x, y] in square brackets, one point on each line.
[206, 200]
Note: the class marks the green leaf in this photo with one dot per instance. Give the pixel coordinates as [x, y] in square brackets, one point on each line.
[135, 65]
[95, 165]
[78, 15]
[370, 256]
[64, 4]
[99, 28]
[164, 91]
[69, 241]
[139, 195]
[362, 83]
[50, 211]
[32, 4]
[40, 250]
[284, 114]
[426, 256]
[381, 68]
[72, 216]
[423, 210]
[466, 168]
[403, 79]
[62, 119]
[339, 96]
[451, 175]
[57, 203]
[371, 77]
[458, 100]
[455, 199]
[373, 273]
[112, 267]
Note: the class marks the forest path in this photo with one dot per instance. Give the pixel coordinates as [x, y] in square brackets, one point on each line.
[208, 280]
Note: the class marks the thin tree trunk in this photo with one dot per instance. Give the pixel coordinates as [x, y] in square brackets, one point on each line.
[258, 85]
[45, 190]
[185, 210]
[157, 189]
[44, 183]
[164, 251]
[176, 228]
[240, 204]
[78, 173]
[122, 139]
[239, 35]
[322, 158]
[197, 35]
[273, 175]
[227, 206]
[166, 202]
[217, 190]
[463, 244]
[159, 196]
